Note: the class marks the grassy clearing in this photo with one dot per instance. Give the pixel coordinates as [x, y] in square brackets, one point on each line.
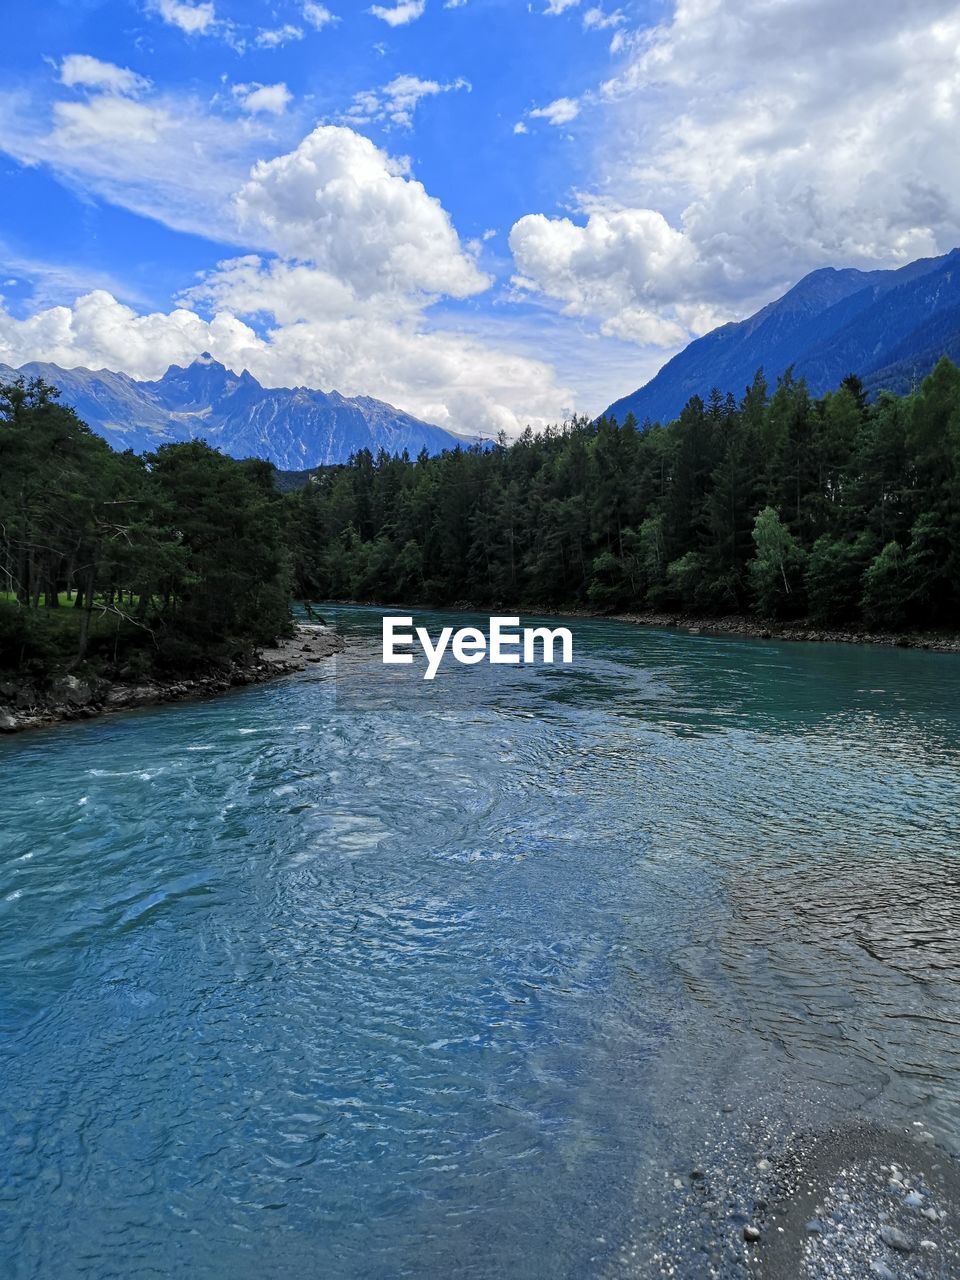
[42, 637]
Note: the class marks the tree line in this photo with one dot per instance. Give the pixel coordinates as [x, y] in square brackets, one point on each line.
[836, 509]
[787, 506]
[174, 559]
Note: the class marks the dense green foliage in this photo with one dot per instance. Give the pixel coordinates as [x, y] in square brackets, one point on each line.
[174, 559]
[836, 509]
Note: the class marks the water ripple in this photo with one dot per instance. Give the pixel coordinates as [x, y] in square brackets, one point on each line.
[356, 976]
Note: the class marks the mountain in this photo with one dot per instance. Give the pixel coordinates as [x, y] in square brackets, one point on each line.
[889, 327]
[296, 429]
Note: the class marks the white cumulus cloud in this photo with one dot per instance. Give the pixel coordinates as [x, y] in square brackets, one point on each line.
[99, 332]
[403, 11]
[344, 262]
[398, 100]
[341, 203]
[194, 19]
[743, 147]
[445, 377]
[560, 111]
[79, 69]
[318, 15]
[272, 99]
[108, 121]
[596, 20]
[274, 37]
[616, 267]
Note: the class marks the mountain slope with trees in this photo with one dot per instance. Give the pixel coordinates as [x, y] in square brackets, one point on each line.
[888, 327]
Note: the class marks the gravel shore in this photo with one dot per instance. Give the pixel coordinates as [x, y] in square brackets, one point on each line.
[864, 1205]
[762, 1201]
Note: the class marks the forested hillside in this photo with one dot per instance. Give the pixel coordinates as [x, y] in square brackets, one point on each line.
[783, 504]
[888, 327]
[170, 560]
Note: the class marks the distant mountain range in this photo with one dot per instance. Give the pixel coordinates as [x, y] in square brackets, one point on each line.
[889, 327]
[295, 429]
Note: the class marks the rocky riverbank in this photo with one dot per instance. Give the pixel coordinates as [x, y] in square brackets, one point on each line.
[745, 625]
[24, 704]
[734, 624]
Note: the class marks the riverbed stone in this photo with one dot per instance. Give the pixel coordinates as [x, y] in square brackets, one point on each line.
[880, 1268]
[895, 1238]
[71, 691]
[132, 695]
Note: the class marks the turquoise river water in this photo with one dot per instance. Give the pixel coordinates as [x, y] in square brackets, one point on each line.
[349, 975]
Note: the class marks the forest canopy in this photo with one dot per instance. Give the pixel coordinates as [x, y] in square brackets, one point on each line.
[174, 559]
[836, 509]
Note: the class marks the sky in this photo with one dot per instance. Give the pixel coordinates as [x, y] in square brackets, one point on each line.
[490, 213]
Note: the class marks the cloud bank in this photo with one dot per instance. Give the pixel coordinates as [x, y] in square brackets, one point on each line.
[350, 253]
[750, 143]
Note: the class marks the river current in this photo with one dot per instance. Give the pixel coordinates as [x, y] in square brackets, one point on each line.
[355, 976]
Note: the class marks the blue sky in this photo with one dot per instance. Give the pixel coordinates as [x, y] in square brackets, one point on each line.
[487, 212]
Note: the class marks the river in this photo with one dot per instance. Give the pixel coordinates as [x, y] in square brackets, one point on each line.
[352, 975]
